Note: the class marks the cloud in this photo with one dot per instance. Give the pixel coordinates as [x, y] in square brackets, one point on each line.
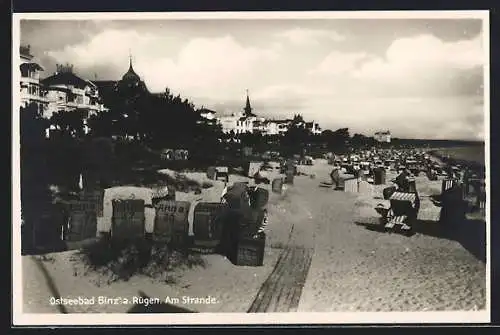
[303, 36]
[423, 54]
[338, 63]
[202, 66]
[418, 86]
[417, 66]
[108, 48]
[206, 63]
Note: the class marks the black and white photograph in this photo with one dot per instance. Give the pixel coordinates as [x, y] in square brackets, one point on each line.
[250, 168]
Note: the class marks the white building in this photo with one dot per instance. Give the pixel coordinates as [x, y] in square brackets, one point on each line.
[30, 86]
[383, 136]
[247, 122]
[277, 127]
[313, 127]
[242, 122]
[67, 92]
[207, 114]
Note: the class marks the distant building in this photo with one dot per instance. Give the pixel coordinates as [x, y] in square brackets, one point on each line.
[207, 117]
[207, 113]
[277, 127]
[313, 127]
[31, 88]
[242, 122]
[383, 136]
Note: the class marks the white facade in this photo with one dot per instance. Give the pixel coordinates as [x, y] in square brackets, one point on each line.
[207, 114]
[247, 122]
[228, 123]
[276, 127]
[67, 92]
[315, 130]
[383, 136]
[68, 98]
[30, 87]
[237, 123]
[240, 125]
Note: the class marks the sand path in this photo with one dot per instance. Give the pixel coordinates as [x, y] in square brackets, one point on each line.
[38, 288]
[282, 289]
[356, 269]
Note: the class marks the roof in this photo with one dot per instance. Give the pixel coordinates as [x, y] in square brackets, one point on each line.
[105, 84]
[130, 75]
[65, 78]
[206, 111]
[30, 67]
[60, 89]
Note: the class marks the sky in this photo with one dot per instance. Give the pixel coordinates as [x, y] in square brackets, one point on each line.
[418, 78]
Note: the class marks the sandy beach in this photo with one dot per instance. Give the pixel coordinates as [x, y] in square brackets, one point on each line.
[319, 257]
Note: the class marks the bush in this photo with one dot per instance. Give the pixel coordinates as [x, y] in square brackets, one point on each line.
[120, 260]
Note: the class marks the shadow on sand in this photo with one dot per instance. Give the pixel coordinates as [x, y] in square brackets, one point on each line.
[470, 233]
[59, 246]
[157, 308]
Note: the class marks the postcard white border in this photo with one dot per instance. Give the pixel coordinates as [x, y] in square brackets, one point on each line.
[20, 318]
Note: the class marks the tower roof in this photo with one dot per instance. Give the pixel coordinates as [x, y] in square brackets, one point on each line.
[130, 75]
[248, 107]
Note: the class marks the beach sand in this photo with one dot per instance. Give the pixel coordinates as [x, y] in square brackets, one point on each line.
[316, 260]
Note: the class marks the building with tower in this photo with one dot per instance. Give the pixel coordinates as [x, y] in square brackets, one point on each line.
[242, 122]
[129, 86]
[247, 121]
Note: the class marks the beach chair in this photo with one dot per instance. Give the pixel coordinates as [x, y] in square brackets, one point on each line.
[171, 221]
[222, 172]
[403, 212]
[208, 223]
[128, 220]
[167, 154]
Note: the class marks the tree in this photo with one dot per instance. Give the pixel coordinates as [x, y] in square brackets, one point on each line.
[101, 124]
[33, 164]
[360, 141]
[336, 141]
[295, 139]
[70, 123]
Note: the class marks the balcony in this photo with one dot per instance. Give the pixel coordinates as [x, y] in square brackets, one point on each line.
[33, 97]
[30, 80]
[73, 104]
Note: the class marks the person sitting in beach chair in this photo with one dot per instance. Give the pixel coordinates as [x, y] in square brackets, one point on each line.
[261, 176]
[402, 181]
[335, 176]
